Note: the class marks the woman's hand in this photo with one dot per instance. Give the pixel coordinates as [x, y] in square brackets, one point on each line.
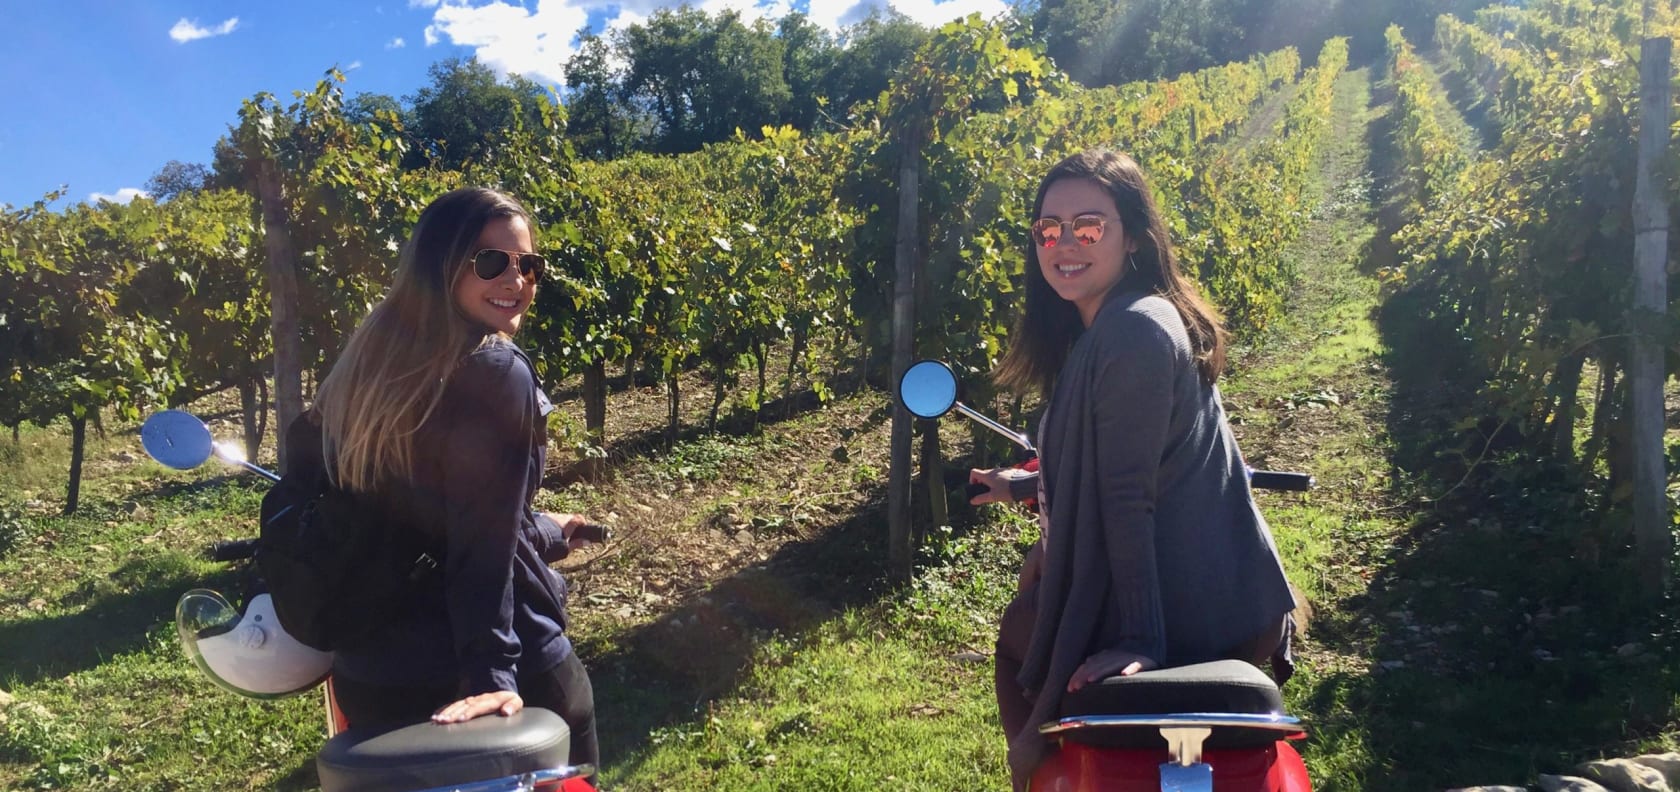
[569, 523]
[1107, 663]
[997, 484]
[501, 702]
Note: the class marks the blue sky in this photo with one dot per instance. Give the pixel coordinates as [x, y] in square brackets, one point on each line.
[98, 94]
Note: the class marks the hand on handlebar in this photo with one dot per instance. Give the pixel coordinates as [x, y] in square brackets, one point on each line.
[996, 481]
[578, 530]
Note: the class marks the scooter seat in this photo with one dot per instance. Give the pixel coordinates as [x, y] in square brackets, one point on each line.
[1230, 687]
[426, 755]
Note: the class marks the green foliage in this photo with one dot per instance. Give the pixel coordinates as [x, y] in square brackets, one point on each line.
[1520, 256]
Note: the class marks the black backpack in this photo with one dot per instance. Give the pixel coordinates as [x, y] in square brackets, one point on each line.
[336, 567]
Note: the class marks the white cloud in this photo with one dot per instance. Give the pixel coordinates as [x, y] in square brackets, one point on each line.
[535, 40]
[187, 30]
[396, 43]
[122, 196]
[511, 39]
[354, 65]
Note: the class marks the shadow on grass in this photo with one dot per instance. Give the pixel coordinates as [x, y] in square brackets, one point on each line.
[670, 670]
[302, 778]
[112, 616]
[180, 489]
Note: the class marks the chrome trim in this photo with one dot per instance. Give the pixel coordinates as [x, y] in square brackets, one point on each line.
[525, 782]
[1279, 723]
[1019, 438]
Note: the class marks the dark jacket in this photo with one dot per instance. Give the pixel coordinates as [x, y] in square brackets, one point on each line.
[498, 609]
[1155, 544]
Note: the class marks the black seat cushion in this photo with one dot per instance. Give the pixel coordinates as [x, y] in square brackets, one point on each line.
[1222, 686]
[426, 754]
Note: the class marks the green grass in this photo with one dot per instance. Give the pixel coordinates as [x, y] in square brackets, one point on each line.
[837, 708]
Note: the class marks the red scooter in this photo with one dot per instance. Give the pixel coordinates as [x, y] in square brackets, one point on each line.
[247, 652]
[1210, 727]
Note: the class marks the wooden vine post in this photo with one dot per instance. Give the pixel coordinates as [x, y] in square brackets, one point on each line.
[903, 350]
[258, 139]
[1652, 520]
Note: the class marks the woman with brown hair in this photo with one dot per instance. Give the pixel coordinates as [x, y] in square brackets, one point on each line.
[435, 417]
[1152, 552]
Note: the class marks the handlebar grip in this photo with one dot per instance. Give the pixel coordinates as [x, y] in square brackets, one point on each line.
[976, 490]
[233, 550]
[1279, 480]
[594, 532]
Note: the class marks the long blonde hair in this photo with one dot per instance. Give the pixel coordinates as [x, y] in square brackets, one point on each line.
[392, 373]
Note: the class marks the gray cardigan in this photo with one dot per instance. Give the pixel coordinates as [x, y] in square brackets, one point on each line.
[1155, 545]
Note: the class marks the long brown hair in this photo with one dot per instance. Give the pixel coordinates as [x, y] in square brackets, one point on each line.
[1047, 328]
[392, 373]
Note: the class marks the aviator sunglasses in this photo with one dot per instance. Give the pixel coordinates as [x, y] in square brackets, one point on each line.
[489, 263]
[1087, 230]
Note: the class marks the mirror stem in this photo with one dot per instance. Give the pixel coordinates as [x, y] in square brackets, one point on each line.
[1018, 438]
[233, 459]
[259, 471]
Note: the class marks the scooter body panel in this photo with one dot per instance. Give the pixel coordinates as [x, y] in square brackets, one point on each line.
[1074, 767]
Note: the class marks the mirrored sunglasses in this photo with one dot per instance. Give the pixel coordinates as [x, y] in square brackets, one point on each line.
[1087, 229]
[489, 263]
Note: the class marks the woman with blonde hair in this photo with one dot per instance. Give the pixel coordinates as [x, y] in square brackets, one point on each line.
[433, 416]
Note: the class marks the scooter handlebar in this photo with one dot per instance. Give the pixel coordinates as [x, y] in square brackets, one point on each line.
[1279, 480]
[1258, 479]
[233, 550]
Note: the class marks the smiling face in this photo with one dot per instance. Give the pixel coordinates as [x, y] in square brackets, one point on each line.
[1083, 274]
[499, 303]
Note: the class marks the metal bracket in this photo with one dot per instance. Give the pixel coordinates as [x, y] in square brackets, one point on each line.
[1185, 772]
[1184, 743]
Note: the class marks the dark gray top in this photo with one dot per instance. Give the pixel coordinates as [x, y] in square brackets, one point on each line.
[501, 610]
[1155, 545]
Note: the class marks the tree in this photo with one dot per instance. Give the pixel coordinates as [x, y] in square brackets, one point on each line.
[1081, 36]
[466, 111]
[599, 122]
[809, 54]
[703, 77]
[177, 178]
[873, 52]
[365, 107]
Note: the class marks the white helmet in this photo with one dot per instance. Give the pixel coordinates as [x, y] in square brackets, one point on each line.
[248, 654]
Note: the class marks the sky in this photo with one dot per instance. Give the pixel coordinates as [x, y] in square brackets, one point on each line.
[96, 95]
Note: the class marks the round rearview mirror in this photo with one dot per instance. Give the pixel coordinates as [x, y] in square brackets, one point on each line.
[928, 389]
[176, 439]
